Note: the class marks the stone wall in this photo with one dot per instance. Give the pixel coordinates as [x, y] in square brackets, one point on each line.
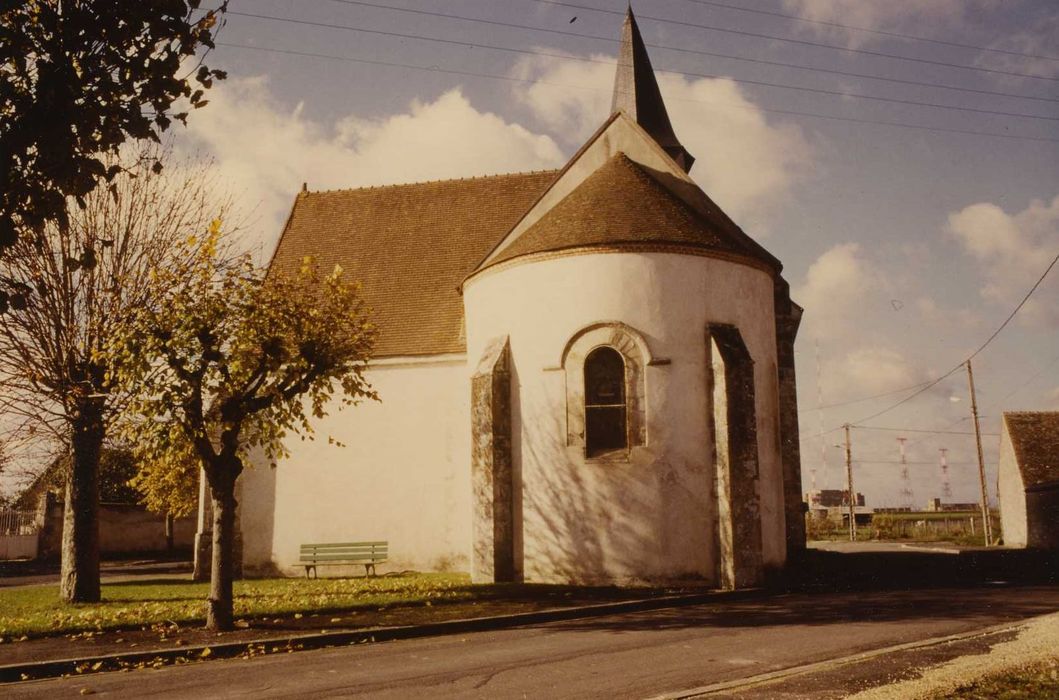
[734, 426]
[493, 558]
[123, 529]
[1042, 508]
[788, 319]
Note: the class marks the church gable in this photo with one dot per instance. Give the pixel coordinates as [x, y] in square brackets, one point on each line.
[621, 203]
[622, 137]
[410, 246]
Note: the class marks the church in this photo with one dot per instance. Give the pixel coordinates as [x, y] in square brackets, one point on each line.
[586, 375]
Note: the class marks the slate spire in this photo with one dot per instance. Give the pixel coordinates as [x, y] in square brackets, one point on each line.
[636, 93]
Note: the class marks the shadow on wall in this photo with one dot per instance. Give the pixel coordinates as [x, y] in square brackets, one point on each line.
[600, 521]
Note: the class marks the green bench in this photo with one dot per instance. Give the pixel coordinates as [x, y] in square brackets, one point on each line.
[367, 554]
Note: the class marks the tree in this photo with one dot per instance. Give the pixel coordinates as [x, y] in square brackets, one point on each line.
[228, 362]
[117, 468]
[170, 486]
[76, 283]
[77, 79]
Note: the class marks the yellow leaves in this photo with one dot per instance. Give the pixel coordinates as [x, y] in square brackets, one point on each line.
[205, 653]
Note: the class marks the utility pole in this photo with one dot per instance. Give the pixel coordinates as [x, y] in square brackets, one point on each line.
[852, 496]
[906, 481]
[987, 529]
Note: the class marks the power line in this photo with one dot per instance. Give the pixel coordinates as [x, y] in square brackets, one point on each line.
[802, 42]
[958, 367]
[894, 461]
[795, 66]
[981, 347]
[879, 32]
[507, 78]
[1022, 386]
[862, 399]
[1016, 310]
[920, 430]
[509, 49]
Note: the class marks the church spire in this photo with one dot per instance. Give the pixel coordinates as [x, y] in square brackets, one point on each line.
[636, 93]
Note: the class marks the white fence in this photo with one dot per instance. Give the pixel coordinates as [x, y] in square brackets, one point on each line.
[18, 534]
[18, 522]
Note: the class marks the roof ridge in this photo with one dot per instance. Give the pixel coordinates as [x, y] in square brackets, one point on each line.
[703, 233]
[392, 185]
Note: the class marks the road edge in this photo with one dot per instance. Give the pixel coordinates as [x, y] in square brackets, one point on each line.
[53, 668]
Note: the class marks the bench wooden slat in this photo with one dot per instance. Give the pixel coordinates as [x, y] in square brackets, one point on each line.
[366, 554]
[345, 544]
[357, 558]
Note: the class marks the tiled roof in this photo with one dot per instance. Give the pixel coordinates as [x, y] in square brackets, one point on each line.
[1035, 437]
[622, 203]
[410, 246]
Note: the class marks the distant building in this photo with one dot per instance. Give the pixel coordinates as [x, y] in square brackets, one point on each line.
[1029, 479]
[935, 505]
[833, 504]
[829, 498]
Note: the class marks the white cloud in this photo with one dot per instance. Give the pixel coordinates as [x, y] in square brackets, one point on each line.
[267, 151]
[869, 370]
[837, 283]
[880, 15]
[1012, 250]
[747, 164]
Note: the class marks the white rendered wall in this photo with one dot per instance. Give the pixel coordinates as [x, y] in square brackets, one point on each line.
[652, 517]
[403, 475]
[1012, 495]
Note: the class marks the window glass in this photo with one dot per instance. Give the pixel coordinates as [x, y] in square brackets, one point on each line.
[605, 407]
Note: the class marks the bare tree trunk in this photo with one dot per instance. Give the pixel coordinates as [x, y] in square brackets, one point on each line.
[79, 582]
[169, 532]
[219, 614]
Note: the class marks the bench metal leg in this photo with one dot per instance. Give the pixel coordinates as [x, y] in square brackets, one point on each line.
[313, 567]
[369, 570]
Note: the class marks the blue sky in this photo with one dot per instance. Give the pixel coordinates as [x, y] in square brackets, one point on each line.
[907, 246]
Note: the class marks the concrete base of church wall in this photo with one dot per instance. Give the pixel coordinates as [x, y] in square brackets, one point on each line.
[649, 515]
[401, 474]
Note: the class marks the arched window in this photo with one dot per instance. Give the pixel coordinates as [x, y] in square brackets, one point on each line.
[605, 406]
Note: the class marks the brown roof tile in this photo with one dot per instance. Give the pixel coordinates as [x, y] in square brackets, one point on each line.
[623, 203]
[1035, 437]
[410, 246]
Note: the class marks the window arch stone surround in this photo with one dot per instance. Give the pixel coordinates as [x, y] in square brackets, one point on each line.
[634, 349]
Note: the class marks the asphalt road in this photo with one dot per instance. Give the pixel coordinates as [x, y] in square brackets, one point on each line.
[635, 655]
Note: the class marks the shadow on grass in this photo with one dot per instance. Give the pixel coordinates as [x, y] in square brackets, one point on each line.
[147, 583]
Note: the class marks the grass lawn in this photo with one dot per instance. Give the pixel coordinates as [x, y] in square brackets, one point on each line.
[1038, 682]
[36, 611]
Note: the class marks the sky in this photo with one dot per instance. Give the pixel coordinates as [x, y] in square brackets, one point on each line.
[908, 246]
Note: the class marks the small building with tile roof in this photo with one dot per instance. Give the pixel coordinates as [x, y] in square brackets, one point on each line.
[587, 375]
[1029, 479]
